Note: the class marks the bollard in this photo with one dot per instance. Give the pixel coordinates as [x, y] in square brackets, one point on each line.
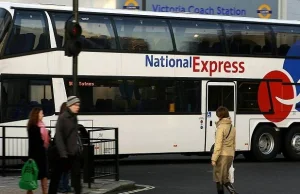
[88, 165]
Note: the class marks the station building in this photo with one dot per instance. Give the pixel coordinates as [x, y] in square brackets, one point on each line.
[267, 9]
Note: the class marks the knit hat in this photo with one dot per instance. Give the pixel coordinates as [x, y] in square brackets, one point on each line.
[72, 100]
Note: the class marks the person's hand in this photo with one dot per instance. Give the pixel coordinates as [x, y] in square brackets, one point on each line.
[213, 163]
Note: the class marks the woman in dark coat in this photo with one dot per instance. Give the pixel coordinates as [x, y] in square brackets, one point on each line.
[39, 140]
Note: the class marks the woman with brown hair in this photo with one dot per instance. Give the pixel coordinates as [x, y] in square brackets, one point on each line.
[224, 151]
[39, 141]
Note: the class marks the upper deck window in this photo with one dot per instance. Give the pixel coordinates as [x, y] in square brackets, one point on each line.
[197, 36]
[142, 34]
[97, 31]
[5, 20]
[248, 38]
[286, 37]
[29, 33]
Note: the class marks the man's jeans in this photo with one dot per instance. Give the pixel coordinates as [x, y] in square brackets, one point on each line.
[64, 183]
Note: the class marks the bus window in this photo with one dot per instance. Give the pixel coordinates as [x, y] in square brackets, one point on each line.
[249, 39]
[247, 97]
[138, 96]
[23, 94]
[97, 31]
[286, 36]
[142, 34]
[59, 22]
[5, 20]
[197, 36]
[220, 96]
[29, 33]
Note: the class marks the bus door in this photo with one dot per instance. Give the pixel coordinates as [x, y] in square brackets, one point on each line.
[218, 94]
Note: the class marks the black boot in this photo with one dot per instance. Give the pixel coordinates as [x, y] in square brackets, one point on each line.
[220, 188]
[230, 188]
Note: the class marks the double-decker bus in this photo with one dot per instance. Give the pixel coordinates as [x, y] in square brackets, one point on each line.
[158, 77]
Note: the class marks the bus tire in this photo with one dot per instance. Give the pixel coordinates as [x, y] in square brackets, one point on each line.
[265, 143]
[292, 144]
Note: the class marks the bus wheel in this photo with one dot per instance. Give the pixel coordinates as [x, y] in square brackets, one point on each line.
[292, 143]
[265, 143]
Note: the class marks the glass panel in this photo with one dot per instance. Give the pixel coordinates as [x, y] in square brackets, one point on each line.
[248, 39]
[286, 37]
[29, 33]
[5, 19]
[19, 96]
[59, 21]
[97, 31]
[197, 36]
[140, 95]
[142, 34]
[247, 96]
[220, 96]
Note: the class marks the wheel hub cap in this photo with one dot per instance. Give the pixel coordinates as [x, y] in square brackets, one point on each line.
[296, 142]
[266, 143]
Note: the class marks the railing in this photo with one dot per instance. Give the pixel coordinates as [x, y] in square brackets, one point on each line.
[104, 160]
[100, 154]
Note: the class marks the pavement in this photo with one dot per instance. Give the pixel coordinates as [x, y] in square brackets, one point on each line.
[189, 175]
[9, 185]
[183, 176]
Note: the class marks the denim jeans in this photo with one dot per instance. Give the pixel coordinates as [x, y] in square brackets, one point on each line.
[64, 182]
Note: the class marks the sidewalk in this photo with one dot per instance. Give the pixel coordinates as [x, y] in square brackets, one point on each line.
[10, 184]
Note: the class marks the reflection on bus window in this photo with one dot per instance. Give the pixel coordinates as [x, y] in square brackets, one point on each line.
[29, 33]
[140, 35]
[286, 36]
[140, 95]
[21, 95]
[59, 22]
[248, 39]
[197, 36]
[5, 20]
[97, 31]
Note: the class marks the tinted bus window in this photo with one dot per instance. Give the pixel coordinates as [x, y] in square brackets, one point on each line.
[5, 20]
[59, 21]
[247, 96]
[97, 31]
[197, 36]
[142, 35]
[252, 39]
[138, 95]
[29, 33]
[20, 95]
[286, 37]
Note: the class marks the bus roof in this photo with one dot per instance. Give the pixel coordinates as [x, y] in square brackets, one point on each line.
[146, 13]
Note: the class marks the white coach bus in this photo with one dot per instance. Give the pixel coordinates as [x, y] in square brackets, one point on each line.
[158, 77]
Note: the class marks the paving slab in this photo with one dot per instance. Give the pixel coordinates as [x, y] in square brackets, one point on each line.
[10, 184]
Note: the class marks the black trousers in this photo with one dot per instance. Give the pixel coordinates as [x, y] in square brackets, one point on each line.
[64, 165]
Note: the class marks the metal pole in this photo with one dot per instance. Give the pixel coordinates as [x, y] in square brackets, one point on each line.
[3, 151]
[144, 5]
[117, 167]
[75, 58]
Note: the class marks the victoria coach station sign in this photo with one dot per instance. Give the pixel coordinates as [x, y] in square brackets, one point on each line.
[243, 8]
